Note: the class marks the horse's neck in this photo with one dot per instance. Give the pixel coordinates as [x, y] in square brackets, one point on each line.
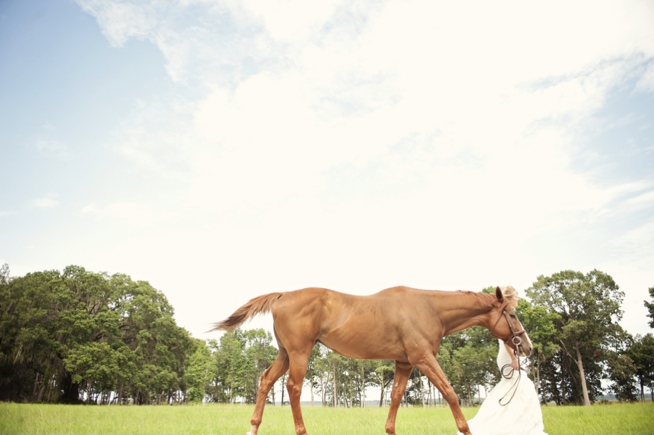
[463, 310]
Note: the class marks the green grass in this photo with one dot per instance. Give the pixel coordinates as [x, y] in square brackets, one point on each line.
[614, 419]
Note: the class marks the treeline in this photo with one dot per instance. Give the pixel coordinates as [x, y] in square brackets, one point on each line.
[77, 336]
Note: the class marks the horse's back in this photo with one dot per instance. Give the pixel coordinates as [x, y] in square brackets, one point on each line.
[316, 302]
[334, 306]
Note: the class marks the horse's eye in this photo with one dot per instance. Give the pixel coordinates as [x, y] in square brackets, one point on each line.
[512, 316]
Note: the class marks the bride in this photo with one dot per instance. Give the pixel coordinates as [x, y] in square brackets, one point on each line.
[512, 407]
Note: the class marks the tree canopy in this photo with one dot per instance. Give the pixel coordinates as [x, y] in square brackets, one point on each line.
[650, 307]
[79, 335]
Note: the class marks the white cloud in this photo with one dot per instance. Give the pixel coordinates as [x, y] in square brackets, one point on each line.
[636, 245]
[51, 147]
[372, 142]
[291, 20]
[342, 84]
[641, 201]
[132, 213]
[120, 20]
[494, 91]
[646, 81]
[45, 203]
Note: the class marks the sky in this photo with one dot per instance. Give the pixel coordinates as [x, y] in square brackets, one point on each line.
[225, 149]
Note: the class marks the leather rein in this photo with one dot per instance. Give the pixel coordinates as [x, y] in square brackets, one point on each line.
[507, 371]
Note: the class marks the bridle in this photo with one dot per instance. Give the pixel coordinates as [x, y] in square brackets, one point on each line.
[507, 371]
[515, 335]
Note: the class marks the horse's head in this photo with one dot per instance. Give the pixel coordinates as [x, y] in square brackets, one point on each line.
[507, 327]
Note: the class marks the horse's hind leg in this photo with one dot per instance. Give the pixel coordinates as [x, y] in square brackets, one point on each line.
[402, 373]
[298, 369]
[268, 379]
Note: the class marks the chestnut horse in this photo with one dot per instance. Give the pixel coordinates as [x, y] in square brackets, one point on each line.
[399, 323]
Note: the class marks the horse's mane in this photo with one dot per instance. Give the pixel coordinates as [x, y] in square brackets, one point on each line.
[485, 300]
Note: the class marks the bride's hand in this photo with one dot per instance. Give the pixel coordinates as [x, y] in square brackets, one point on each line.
[515, 364]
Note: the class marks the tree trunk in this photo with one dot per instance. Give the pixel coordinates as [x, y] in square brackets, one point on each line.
[36, 387]
[562, 387]
[119, 399]
[311, 390]
[71, 390]
[538, 379]
[381, 395]
[272, 392]
[582, 376]
[363, 387]
[335, 394]
[323, 389]
[283, 378]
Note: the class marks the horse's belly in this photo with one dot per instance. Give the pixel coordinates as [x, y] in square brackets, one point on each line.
[371, 345]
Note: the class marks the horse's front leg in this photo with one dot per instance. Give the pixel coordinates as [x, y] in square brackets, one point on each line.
[402, 373]
[428, 365]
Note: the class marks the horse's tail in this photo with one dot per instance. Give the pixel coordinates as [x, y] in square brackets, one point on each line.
[260, 304]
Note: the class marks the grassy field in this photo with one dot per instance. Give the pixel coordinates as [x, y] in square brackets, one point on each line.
[614, 419]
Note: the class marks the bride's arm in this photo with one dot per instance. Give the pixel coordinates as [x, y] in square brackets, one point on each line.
[514, 360]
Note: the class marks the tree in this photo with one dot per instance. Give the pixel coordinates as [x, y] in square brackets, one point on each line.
[468, 360]
[198, 374]
[4, 274]
[156, 348]
[540, 325]
[259, 355]
[239, 361]
[79, 335]
[319, 372]
[230, 367]
[360, 375]
[650, 307]
[339, 382]
[83, 330]
[382, 375]
[622, 371]
[314, 372]
[589, 310]
[30, 369]
[96, 364]
[338, 388]
[641, 352]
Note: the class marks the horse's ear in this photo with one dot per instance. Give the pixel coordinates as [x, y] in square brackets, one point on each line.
[499, 295]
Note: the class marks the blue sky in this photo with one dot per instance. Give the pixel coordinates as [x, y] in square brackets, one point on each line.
[221, 150]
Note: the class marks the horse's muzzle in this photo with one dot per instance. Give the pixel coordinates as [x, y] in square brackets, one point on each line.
[525, 348]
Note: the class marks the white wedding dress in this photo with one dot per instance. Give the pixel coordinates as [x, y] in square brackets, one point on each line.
[520, 416]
